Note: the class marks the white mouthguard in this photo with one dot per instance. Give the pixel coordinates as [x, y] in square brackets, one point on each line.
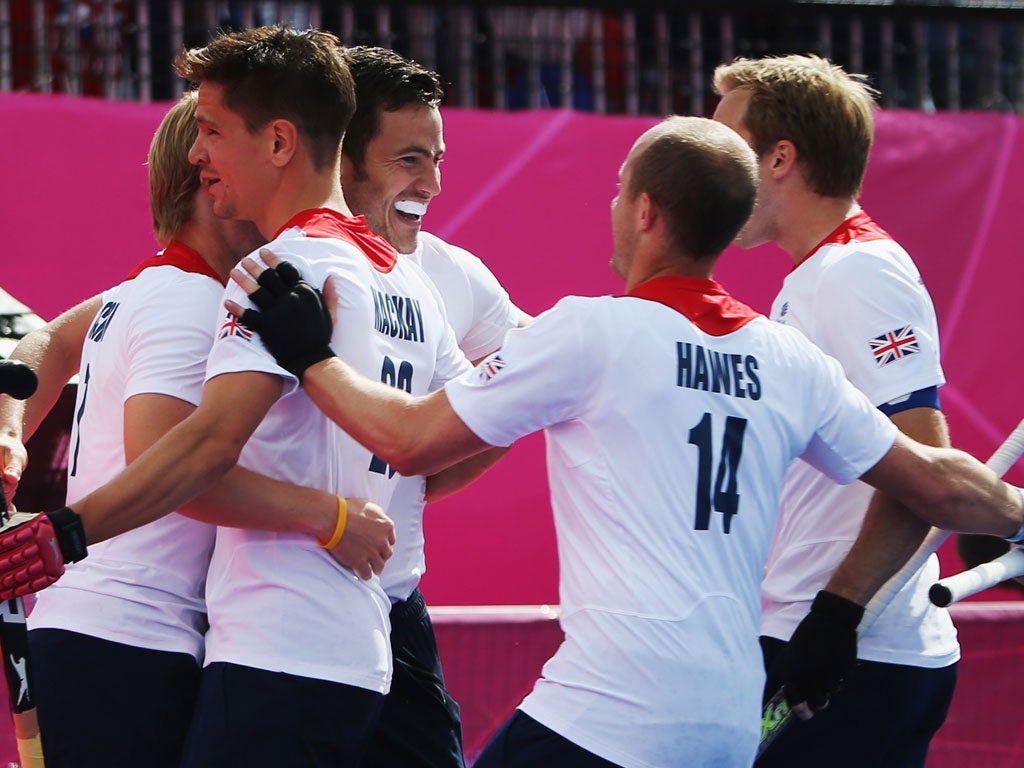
[411, 207]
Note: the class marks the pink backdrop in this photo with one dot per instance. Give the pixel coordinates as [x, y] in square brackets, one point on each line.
[529, 193]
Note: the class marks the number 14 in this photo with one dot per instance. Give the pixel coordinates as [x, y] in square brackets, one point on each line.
[726, 498]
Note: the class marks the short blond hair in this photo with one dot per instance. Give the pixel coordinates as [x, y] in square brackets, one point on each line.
[173, 180]
[825, 111]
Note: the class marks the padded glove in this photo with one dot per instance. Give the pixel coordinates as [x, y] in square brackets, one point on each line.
[34, 548]
[293, 320]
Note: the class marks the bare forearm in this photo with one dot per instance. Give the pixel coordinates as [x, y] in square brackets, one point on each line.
[165, 477]
[948, 489]
[892, 533]
[245, 499]
[458, 476]
[415, 435]
[53, 369]
[975, 500]
[186, 460]
[889, 537]
[54, 352]
[370, 412]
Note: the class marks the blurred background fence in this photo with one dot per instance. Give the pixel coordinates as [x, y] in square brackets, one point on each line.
[638, 57]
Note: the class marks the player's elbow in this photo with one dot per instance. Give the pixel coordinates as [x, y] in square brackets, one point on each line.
[408, 457]
[217, 454]
[422, 437]
[420, 451]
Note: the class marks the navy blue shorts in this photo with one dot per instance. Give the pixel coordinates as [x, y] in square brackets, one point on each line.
[107, 705]
[522, 742]
[419, 726]
[246, 718]
[884, 716]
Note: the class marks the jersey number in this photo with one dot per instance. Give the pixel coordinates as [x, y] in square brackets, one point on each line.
[78, 423]
[402, 379]
[726, 498]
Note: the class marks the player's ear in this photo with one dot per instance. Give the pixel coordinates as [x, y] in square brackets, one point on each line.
[782, 158]
[285, 137]
[646, 212]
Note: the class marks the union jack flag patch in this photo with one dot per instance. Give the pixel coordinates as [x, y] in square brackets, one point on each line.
[894, 345]
[489, 368]
[232, 327]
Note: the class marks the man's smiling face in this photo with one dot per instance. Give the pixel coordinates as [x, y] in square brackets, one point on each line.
[400, 174]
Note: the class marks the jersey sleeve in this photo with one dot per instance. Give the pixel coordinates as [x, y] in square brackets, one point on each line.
[540, 377]
[882, 325]
[167, 347]
[450, 361]
[851, 435]
[493, 312]
[236, 349]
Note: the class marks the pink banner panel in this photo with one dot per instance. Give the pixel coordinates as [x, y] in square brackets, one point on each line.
[529, 192]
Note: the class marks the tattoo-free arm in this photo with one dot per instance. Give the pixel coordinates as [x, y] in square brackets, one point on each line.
[54, 352]
[415, 435]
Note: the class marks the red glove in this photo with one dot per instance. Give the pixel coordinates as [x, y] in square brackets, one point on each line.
[34, 548]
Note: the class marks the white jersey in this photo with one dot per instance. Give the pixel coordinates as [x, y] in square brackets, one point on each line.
[278, 601]
[143, 588]
[860, 298]
[670, 417]
[481, 313]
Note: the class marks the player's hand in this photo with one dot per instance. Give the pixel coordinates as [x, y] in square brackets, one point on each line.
[34, 548]
[821, 653]
[368, 539]
[293, 319]
[13, 460]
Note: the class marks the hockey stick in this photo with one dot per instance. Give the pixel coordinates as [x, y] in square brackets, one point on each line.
[19, 381]
[947, 591]
[776, 714]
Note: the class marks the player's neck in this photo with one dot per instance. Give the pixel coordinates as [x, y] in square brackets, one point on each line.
[809, 220]
[668, 265]
[302, 192]
[210, 239]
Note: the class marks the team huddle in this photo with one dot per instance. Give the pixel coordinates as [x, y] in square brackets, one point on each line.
[729, 490]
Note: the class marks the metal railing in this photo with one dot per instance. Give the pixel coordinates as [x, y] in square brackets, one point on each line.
[610, 57]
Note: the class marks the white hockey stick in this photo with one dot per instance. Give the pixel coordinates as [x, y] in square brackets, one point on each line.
[947, 591]
[1006, 456]
[776, 714]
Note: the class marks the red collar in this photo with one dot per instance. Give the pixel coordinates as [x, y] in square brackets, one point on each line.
[177, 255]
[703, 301]
[323, 222]
[860, 227]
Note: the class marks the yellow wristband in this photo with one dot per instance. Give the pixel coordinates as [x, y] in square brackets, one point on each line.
[339, 527]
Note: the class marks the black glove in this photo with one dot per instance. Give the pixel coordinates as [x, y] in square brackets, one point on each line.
[822, 651]
[293, 320]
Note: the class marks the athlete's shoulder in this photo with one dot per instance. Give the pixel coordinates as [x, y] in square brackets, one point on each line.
[167, 286]
[839, 260]
[433, 248]
[791, 343]
[314, 256]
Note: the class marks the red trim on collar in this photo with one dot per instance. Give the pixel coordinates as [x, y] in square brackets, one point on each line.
[177, 255]
[860, 228]
[323, 222]
[705, 302]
